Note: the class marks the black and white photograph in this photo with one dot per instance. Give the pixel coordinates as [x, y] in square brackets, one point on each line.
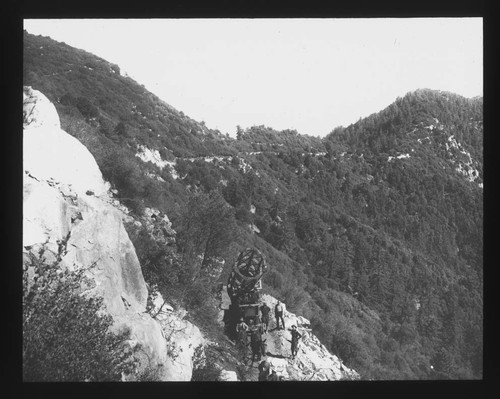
[252, 199]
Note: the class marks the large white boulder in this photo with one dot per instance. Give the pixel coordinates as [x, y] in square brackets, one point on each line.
[46, 214]
[86, 232]
[38, 111]
[49, 153]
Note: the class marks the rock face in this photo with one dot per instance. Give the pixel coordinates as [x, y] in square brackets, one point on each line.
[183, 340]
[68, 222]
[228, 376]
[153, 156]
[313, 361]
[38, 111]
[158, 226]
[49, 153]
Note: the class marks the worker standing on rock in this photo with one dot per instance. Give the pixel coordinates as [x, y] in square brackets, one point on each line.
[263, 347]
[295, 341]
[242, 337]
[256, 342]
[241, 329]
[264, 309]
[258, 321]
[278, 312]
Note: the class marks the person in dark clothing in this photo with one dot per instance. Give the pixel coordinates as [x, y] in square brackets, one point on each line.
[241, 326]
[264, 309]
[295, 341]
[256, 344]
[257, 321]
[273, 376]
[242, 338]
[278, 312]
[252, 326]
[266, 373]
[260, 326]
[264, 367]
[263, 347]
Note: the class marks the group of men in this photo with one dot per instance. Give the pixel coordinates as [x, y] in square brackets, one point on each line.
[257, 344]
[255, 330]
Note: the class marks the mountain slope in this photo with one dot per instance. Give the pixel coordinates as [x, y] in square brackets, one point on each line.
[374, 233]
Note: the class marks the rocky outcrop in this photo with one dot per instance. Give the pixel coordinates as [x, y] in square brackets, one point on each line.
[153, 156]
[182, 337]
[51, 154]
[158, 226]
[313, 361]
[228, 376]
[69, 223]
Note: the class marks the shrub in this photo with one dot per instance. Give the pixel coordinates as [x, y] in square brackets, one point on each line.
[206, 373]
[243, 214]
[121, 169]
[150, 374]
[121, 129]
[87, 109]
[162, 268]
[160, 264]
[136, 205]
[347, 344]
[165, 154]
[115, 68]
[204, 368]
[206, 232]
[68, 99]
[65, 338]
[274, 279]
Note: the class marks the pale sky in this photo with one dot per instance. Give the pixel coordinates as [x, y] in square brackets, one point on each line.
[305, 74]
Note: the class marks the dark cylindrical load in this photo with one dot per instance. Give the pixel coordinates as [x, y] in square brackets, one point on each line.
[247, 271]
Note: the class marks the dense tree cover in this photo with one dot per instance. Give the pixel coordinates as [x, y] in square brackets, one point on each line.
[207, 229]
[185, 271]
[371, 233]
[263, 138]
[423, 114]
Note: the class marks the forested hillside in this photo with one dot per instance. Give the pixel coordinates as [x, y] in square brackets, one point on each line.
[374, 233]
